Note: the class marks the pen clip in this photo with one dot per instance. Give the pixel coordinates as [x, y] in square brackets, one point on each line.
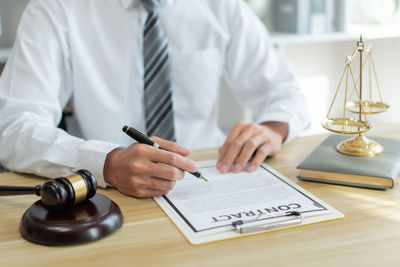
[146, 136]
[244, 227]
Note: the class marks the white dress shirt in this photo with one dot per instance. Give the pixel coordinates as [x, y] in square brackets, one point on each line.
[90, 52]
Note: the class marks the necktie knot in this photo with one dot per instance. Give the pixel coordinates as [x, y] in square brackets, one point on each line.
[150, 5]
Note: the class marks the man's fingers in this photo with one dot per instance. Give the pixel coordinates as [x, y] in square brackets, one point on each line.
[136, 170]
[165, 172]
[249, 138]
[152, 183]
[248, 150]
[235, 149]
[172, 146]
[144, 193]
[146, 186]
[262, 152]
[161, 156]
[174, 159]
[236, 131]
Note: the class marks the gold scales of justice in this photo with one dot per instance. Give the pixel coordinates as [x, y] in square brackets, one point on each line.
[358, 145]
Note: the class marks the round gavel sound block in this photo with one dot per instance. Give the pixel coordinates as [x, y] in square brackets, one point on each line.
[88, 221]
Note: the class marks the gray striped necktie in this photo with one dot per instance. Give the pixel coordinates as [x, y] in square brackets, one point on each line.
[157, 78]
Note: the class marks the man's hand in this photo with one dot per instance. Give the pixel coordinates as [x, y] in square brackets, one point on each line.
[143, 171]
[248, 140]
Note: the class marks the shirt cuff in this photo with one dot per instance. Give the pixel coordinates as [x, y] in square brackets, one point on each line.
[92, 155]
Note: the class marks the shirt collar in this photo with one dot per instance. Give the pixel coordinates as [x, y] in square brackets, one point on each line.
[128, 3]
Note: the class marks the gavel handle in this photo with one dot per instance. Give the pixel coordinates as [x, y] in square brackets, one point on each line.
[6, 190]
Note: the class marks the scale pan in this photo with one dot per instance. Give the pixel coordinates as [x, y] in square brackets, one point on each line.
[345, 125]
[369, 107]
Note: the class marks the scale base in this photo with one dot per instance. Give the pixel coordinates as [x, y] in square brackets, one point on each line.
[360, 146]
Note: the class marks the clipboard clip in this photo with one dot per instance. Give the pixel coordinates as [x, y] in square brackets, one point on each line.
[257, 225]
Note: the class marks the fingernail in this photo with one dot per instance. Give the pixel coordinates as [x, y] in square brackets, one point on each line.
[219, 165]
[237, 168]
[251, 168]
[224, 168]
[186, 150]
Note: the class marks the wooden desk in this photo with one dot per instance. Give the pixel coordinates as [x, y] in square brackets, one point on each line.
[368, 235]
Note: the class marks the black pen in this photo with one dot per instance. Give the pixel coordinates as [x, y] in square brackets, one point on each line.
[144, 139]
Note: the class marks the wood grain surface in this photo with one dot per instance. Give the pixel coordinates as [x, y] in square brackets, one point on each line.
[369, 235]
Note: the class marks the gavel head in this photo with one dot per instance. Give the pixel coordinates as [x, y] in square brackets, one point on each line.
[64, 192]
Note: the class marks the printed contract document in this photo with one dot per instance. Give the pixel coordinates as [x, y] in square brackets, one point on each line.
[205, 211]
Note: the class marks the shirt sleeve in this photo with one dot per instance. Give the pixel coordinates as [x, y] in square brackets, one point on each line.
[258, 74]
[34, 88]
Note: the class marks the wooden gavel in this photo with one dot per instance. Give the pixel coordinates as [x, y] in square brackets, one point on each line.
[59, 193]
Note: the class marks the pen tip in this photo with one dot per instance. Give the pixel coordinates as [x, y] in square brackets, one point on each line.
[124, 128]
[205, 179]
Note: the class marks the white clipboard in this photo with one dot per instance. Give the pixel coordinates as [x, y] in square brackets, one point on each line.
[239, 227]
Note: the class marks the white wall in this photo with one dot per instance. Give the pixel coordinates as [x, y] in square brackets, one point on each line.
[10, 11]
[325, 63]
[318, 67]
